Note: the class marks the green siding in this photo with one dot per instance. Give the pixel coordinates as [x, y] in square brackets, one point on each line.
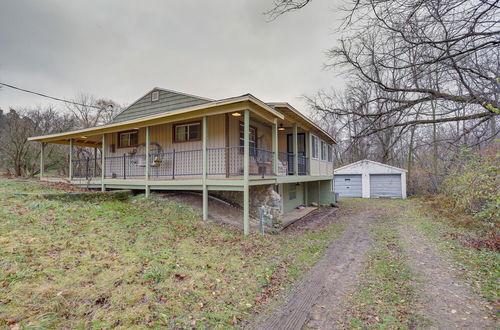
[326, 193]
[290, 204]
[168, 101]
[320, 192]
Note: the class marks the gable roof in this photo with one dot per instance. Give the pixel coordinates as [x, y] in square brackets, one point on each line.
[372, 162]
[169, 100]
[156, 119]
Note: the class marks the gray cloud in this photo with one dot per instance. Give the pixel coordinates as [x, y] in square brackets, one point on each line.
[120, 49]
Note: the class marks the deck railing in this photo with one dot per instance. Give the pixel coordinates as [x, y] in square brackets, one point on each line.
[263, 160]
[86, 168]
[287, 164]
[303, 169]
[226, 161]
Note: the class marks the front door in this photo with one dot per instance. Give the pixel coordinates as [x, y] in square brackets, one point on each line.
[301, 139]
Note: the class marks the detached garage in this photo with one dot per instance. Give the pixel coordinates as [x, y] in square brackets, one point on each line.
[369, 179]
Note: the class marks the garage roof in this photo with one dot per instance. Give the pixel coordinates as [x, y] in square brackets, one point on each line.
[346, 167]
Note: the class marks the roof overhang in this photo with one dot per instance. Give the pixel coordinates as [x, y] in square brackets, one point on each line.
[238, 103]
[296, 115]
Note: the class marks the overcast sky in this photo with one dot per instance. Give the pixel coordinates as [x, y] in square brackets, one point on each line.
[121, 49]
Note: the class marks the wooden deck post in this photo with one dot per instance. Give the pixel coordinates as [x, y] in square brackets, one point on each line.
[308, 153]
[103, 162]
[204, 132]
[42, 160]
[275, 146]
[246, 168]
[146, 169]
[95, 163]
[70, 159]
[295, 151]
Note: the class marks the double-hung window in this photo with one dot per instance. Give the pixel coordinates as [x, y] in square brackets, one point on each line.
[187, 132]
[323, 150]
[128, 139]
[330, 153]
[292, 191]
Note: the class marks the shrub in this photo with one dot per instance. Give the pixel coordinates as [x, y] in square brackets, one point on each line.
[473, 185]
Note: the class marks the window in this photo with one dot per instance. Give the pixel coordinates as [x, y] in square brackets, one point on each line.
[314, 146]
[252, 141]
[187, 132]
[330, 153]
[323, 150]
[155, 96]
[128, 139]
[292, 191]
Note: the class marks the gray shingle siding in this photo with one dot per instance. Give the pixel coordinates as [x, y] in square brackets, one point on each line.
[169, 101]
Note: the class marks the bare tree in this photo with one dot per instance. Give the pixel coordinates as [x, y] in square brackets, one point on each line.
[90, 112]
[21, 158]
[396, 45]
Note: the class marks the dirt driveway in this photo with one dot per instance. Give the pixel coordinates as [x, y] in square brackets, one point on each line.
[321, 301]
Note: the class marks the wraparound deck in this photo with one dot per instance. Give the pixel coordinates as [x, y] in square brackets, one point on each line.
[221, 163]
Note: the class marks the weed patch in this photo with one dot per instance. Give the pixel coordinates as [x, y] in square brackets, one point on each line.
[474, 254]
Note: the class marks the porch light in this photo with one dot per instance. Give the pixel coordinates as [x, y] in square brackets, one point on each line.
[236, 114]
[83, 137]
[281, 128]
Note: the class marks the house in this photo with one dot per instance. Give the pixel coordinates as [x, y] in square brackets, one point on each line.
[369, 179]
[240, 148]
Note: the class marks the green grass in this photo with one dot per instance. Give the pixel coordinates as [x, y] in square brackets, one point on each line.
[479, 267]
[385, 296]
[141, 262]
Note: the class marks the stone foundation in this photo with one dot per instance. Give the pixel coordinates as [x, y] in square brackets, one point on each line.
[261, 195]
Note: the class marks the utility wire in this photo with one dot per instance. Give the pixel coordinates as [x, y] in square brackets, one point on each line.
[50, 97]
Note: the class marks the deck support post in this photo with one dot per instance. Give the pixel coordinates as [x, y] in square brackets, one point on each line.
[70, 159]
[95, 163]
[275, 146]
[42, 160]
[103, 162]
[204, 132]
[246, 168]
[308, 152]
[295, 151]
[146, 169]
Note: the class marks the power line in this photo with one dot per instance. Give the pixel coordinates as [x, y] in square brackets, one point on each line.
[49, 97]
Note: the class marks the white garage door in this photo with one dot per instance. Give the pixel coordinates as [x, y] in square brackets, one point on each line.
[348, 185]
[385, 185]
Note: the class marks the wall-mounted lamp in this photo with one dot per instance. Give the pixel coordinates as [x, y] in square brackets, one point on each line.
[236, 114]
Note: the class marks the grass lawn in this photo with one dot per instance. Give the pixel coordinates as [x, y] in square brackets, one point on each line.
[135, 263]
